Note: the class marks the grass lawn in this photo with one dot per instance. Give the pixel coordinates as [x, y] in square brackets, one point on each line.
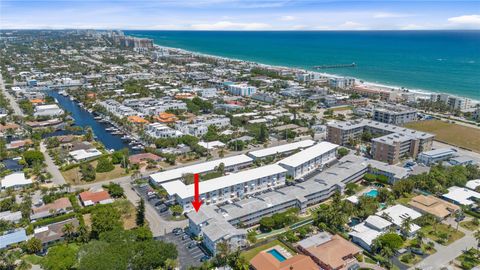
[249, 254]
[451, 235]
[127, 211]
[469, 225]
[73, 176]
[33, 259]
[458, 135]
[405, 200]
[410, 259]
[469, 259]
[369, 260]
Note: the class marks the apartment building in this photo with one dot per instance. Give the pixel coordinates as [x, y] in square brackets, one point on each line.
[437, 155]
[454, 102]
[153, 106]
[118, 109]
[241, 90]
[315, 189]
[228, 187]
[158, 130]
[310, 159]
[393, 143]
[199, 126]
[231, 164]
[394, 114]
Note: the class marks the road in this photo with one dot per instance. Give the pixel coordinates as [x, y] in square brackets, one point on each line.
[57, 177]
[13, 102]
[446, 254]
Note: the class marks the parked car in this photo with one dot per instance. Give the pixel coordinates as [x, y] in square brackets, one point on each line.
[205, 258]
[192, 245]
[175, 230]
[417, 251]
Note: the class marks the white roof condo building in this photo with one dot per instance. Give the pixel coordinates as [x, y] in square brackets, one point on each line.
[309, 159]
[437, 155]
[242, 89]
[234, 163]
[461, 196]
[281, 149]
[158, 130]
[48, 110]
[224, 188]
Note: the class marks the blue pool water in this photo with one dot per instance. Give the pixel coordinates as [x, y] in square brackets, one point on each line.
[372, 193]
[277, 255]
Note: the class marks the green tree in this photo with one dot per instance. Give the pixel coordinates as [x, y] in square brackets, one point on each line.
[32, 157]
[141, 213]
[34, 245]
[342, 151]
[60, 257]
[88, 172]
[104, 219]
[176, 209]
[88, 136]
[69, 231]
[267, 224]
[387, 244]
[104, 165]
[115, 190]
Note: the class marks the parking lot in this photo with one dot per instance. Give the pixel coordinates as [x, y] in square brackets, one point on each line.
[150, 197]
[186, 256]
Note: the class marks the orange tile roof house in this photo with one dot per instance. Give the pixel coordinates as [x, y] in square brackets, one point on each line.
[166, 118]
[95, 197]
[135, 159]
[137, 119]
[267, 261]
[59, 206]
[330, 252]
[433, 205]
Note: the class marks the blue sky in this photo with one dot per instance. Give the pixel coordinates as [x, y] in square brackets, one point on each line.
[240, 15]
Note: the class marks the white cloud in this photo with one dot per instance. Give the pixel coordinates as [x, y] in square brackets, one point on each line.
[287, 18]
[348, 25]
[472, 21]
[413, 27]
[227, 25]
[387, 15]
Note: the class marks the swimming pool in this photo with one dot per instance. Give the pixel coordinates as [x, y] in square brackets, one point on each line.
[372, 193]
[277, 255]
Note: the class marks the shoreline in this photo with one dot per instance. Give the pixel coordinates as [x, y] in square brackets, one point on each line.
[358, 81]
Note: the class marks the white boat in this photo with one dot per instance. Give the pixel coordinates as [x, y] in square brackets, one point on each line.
[138, 147]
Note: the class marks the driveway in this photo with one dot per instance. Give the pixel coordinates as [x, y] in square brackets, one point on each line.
[57, 177]
[158, 225]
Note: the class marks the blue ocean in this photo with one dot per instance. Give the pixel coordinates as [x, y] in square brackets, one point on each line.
[434, 61]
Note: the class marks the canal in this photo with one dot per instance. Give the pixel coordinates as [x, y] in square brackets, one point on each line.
[83, 119]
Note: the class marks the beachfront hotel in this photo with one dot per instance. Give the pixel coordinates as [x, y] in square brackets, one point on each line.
[394, 142]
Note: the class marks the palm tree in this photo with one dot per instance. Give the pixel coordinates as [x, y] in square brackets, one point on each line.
[477, 237]
[406, 226]
[68, 230]
[458, 216]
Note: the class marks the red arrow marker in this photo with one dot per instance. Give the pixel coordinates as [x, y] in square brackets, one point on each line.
[196, 202]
